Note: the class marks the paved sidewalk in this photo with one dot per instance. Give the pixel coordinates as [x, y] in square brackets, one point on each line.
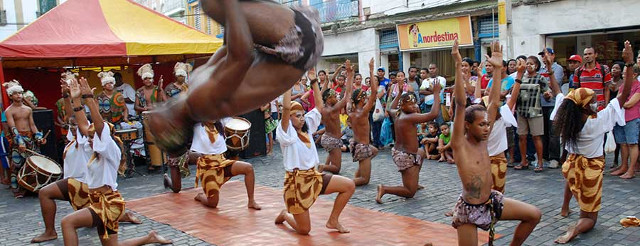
[20, 219]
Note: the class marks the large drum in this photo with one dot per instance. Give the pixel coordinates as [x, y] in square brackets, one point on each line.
[154, 153]
[37, 172]
[236, 133]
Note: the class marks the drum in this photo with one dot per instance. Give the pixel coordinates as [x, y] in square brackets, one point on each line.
[236, 133]
[153, 152]
[127, 135]
[37, 172]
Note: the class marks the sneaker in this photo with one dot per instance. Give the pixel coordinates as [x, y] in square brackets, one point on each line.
[553, 164]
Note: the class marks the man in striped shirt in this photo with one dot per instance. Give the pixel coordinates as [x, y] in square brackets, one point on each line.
[594, 76]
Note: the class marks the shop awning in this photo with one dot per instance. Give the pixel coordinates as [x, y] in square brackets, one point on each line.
[101, 33]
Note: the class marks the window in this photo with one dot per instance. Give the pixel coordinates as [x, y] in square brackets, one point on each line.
[45, 6]
[197, 17]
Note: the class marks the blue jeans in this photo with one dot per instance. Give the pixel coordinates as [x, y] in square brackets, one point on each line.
[627, 134]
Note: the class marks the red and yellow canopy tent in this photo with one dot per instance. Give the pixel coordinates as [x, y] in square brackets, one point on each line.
[96, 33]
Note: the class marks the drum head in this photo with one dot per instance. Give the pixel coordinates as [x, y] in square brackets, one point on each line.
[45, 164]
[238, 123]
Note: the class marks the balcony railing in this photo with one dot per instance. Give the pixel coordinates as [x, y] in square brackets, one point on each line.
[173, 6]
[335, 10]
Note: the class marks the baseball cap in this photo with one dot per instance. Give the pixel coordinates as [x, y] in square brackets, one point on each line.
[575, 58]
[550, 50]
[381, 68]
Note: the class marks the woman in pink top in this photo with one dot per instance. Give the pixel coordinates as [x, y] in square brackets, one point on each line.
[627, 135]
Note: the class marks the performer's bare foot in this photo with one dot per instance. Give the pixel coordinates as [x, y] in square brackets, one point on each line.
[420, 187]
[565, 213]
[130, 217]
[628, 175]
[448, 214]
[155, 238]
[619, 172]
[199, 197]
[45, 237]
[441, 159]
[336, 225]
[380, 194]
[570, 235]
[254, 205]
[280, 218]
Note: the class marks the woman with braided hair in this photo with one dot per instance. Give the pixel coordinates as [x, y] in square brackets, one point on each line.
[582, 129]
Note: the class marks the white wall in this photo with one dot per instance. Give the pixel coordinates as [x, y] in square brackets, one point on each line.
[532, 22]
[365, 43]
[29, 9]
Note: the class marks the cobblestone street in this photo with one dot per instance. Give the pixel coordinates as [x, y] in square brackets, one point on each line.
[21, 219]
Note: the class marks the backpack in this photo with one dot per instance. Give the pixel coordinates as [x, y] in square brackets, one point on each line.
[598, 66]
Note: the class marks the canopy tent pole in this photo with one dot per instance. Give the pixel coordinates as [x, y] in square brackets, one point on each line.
[5, 97]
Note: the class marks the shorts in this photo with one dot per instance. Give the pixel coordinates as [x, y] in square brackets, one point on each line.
[481, 215]
[534, 125]
[361, 151]
[303, 45]
[627, 134]
[404, 160]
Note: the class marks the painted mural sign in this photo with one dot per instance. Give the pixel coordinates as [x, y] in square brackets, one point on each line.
[435, 34]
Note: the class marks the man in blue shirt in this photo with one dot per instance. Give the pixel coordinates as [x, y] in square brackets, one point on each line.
[383, 81]
[507, 83]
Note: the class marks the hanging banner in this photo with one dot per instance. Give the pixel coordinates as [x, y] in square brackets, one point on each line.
[435, 34]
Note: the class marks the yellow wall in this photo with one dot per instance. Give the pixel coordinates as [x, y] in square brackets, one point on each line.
[212, 29]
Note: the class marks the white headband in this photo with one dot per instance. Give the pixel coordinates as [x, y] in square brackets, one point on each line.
[14, 89]
[147, 75]
[181, 73]
[106, 80]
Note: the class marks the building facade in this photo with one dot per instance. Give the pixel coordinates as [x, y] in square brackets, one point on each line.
[16, 14]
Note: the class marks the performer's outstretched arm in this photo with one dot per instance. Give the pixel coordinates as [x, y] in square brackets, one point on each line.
[457, 136]
[494, 93]
[286, 110]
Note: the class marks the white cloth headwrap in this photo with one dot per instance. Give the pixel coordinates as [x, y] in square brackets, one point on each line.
[106, 77]
[14, 89]
[146, 71]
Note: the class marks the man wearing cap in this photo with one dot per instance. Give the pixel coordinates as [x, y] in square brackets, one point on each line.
[383, 81]
[574, 62]
[550, 141]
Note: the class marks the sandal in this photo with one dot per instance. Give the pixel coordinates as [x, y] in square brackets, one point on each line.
[521, 167]
[538, 169]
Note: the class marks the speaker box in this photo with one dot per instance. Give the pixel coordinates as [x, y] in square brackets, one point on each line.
[257, 137]
[43, 118]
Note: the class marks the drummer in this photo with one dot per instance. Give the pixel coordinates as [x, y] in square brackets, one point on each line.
[148, 95]
[73, 187]
[25, 135]
[106, 203]
[208, 147]
[174, 90]
[111, 103]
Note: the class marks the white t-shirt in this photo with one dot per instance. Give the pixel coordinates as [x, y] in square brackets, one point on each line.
[591, 138]
[295, 153]
[129, 93]
[104, 169]
[428, 84]
[274, 105]
[498, 137]
[202, 144]
[76, 159]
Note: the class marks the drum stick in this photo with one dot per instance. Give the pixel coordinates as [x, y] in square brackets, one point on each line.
[33, 152]
[46, 135]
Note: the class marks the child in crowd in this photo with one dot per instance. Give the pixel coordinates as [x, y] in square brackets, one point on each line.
[430, 141]
[444, 144]
[347, 137]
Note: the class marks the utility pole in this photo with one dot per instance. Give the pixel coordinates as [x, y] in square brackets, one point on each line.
[504, 22]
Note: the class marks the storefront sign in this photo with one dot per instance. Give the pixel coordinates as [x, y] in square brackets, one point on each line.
[435, 34]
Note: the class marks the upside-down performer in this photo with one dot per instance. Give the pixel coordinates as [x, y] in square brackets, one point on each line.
[178, 165]
[106, 205]
[302, 183]
[288, 41]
